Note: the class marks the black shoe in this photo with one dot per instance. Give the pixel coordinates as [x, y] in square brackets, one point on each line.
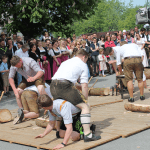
[5, 94]
[19, 117]
[20, 113]
[142, 97]
[131, 100]
[9, 93]
[93, 128]
[94, 138]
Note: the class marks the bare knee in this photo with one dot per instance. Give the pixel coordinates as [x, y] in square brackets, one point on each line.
[62, 133]
[75, 136]
[84, 107]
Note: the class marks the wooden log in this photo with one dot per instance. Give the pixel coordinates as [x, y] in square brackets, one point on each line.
[99, 91]
[42, 122]
[137, 107]
[5, 115]
[92, 85]
[90, 79]
[147, 73]
[1, 95]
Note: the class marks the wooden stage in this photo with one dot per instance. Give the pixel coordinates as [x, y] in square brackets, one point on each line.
[108, 113]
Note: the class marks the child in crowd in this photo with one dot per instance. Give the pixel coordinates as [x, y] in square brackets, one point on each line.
[102, 62]
[5, 72]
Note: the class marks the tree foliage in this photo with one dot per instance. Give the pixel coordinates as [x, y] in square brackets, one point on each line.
[111, 15]
[31, 17]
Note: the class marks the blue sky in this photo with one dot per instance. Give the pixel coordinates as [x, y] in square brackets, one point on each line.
[135, 2]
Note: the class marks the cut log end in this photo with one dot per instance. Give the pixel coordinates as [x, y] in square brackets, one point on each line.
[5, 115]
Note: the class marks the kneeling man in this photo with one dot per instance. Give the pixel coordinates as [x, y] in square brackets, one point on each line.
[66, 110]
[29, 102]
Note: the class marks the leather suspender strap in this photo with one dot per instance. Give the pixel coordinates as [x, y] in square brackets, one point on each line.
[62, 104]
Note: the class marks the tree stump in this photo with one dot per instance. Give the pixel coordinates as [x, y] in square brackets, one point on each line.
[5, 115]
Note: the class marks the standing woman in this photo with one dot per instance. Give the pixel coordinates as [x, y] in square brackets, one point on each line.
[109, 43]
[32, 53]
[95, 52]
[102, 41]
[68, 43]
[42, 52]
[78, 44]
[129, 39]
[11, 50]
[56, 54]
[141, 43]
[64, 50]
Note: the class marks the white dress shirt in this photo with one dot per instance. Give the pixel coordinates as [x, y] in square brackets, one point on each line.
[30, 68]
[34, 88]
[128, 50]
[71, 70]
[21, 54]
[67, 112]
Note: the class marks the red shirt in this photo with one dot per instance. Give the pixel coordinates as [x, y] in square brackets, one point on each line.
[109, 44]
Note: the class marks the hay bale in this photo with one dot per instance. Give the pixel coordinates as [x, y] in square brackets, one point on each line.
[5, 115]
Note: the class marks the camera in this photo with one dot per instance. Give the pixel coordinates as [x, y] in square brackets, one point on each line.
[143, 16]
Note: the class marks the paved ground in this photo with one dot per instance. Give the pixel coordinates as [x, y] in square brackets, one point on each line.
[138, 141]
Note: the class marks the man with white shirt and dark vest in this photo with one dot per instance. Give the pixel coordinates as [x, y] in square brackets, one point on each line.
[63, 86]
[132, 56]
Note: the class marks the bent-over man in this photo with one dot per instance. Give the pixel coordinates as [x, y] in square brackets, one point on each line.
[32, 75]
[63, 86]
[132, 56]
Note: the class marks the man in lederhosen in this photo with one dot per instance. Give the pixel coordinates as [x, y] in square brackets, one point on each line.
[132, 56]
[63, 87]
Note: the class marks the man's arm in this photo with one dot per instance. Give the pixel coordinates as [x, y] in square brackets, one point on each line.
[11, 81]
[48, 129]
[67, 136]
[37, 76]
[120, 69]
[85, 89]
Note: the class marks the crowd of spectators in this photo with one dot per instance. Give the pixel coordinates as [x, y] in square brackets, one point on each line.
[50, 52]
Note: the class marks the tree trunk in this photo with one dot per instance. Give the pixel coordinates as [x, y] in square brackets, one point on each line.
[137, 107]
[5, 115]
[99, 91]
